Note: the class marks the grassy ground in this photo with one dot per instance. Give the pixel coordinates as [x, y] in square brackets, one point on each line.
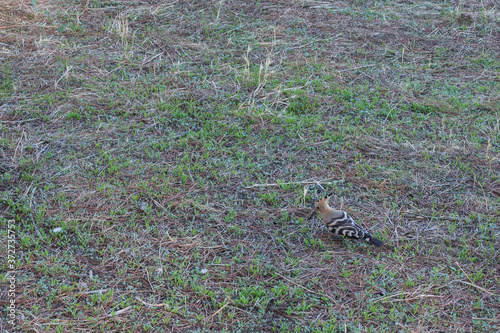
[179, 145]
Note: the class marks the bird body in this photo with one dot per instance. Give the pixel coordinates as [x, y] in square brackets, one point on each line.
[341, 224]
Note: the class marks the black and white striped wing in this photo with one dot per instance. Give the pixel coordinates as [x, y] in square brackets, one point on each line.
[344, 225]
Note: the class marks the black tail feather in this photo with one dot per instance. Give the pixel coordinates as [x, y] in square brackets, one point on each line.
[376, 242]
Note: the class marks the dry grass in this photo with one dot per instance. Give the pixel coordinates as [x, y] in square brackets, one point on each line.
[179, 146]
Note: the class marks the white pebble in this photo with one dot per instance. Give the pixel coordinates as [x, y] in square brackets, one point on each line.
[204, 271]
[58, 229]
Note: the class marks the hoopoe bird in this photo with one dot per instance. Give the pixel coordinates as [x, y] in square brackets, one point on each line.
[341, 224]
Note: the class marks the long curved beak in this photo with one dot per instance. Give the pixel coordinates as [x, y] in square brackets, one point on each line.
[311, 214]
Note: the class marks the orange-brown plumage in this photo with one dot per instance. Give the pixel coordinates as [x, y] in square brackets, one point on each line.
[341, 224]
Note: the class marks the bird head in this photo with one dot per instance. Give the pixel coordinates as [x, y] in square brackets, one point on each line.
[322, 204]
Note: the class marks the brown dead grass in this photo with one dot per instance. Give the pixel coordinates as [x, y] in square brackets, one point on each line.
[84, 57]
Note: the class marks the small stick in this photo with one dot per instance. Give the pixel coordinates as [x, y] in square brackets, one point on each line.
[319, 184]
[119, 312]
[149, 305]
[93, 291]
[64, 75]
[222, 308]
[309, 290]
[305, 190]
[471, 282]
[297, 183]
[414, 298]
[311, 214]
[478, 287]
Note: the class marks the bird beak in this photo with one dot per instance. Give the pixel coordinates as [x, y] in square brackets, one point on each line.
[311, 214]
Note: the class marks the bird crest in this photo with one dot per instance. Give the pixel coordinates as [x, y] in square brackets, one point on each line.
[323, 203]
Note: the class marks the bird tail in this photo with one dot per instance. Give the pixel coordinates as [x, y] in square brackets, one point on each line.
[375, 241]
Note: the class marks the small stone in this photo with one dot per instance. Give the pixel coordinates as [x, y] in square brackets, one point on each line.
[58, 229]
[204, 271]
